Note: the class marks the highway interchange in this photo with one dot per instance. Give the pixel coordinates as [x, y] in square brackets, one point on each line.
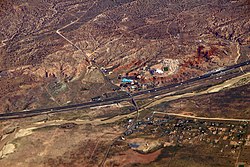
[113, 100]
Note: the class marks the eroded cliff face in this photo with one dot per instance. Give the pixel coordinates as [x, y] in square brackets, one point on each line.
[46, 44]
[61, 65]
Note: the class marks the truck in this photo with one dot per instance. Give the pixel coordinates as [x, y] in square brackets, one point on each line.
[97, 98]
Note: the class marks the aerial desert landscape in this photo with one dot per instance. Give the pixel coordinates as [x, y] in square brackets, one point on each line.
[125, 83]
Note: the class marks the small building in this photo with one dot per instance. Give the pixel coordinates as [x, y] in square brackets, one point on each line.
[134, 145]
[159, 71]
[103, 70]
[152, 71]
[165, 68]
[126, 80]
[134, 87]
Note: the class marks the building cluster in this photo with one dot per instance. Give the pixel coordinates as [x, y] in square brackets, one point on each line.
[5, 74]
[228, 136]
[148, 75]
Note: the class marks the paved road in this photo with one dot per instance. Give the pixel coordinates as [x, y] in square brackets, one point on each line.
[113, 100]
[207, 75]
[203, 118]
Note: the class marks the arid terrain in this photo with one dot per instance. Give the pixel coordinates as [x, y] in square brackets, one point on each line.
[59, 53]
[47, 45]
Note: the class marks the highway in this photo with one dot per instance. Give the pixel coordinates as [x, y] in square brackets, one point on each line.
[117, 99]
[207, 75]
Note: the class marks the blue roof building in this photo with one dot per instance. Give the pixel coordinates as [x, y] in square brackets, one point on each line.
[125, 80]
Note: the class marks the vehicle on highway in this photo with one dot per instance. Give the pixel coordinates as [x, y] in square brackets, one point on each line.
[101, 101]
[97, 98]
[128, 132]
[218, 77]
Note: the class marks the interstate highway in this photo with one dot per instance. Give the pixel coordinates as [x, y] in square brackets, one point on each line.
[29, 113]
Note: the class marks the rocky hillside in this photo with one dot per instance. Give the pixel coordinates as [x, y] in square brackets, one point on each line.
[47, 46]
